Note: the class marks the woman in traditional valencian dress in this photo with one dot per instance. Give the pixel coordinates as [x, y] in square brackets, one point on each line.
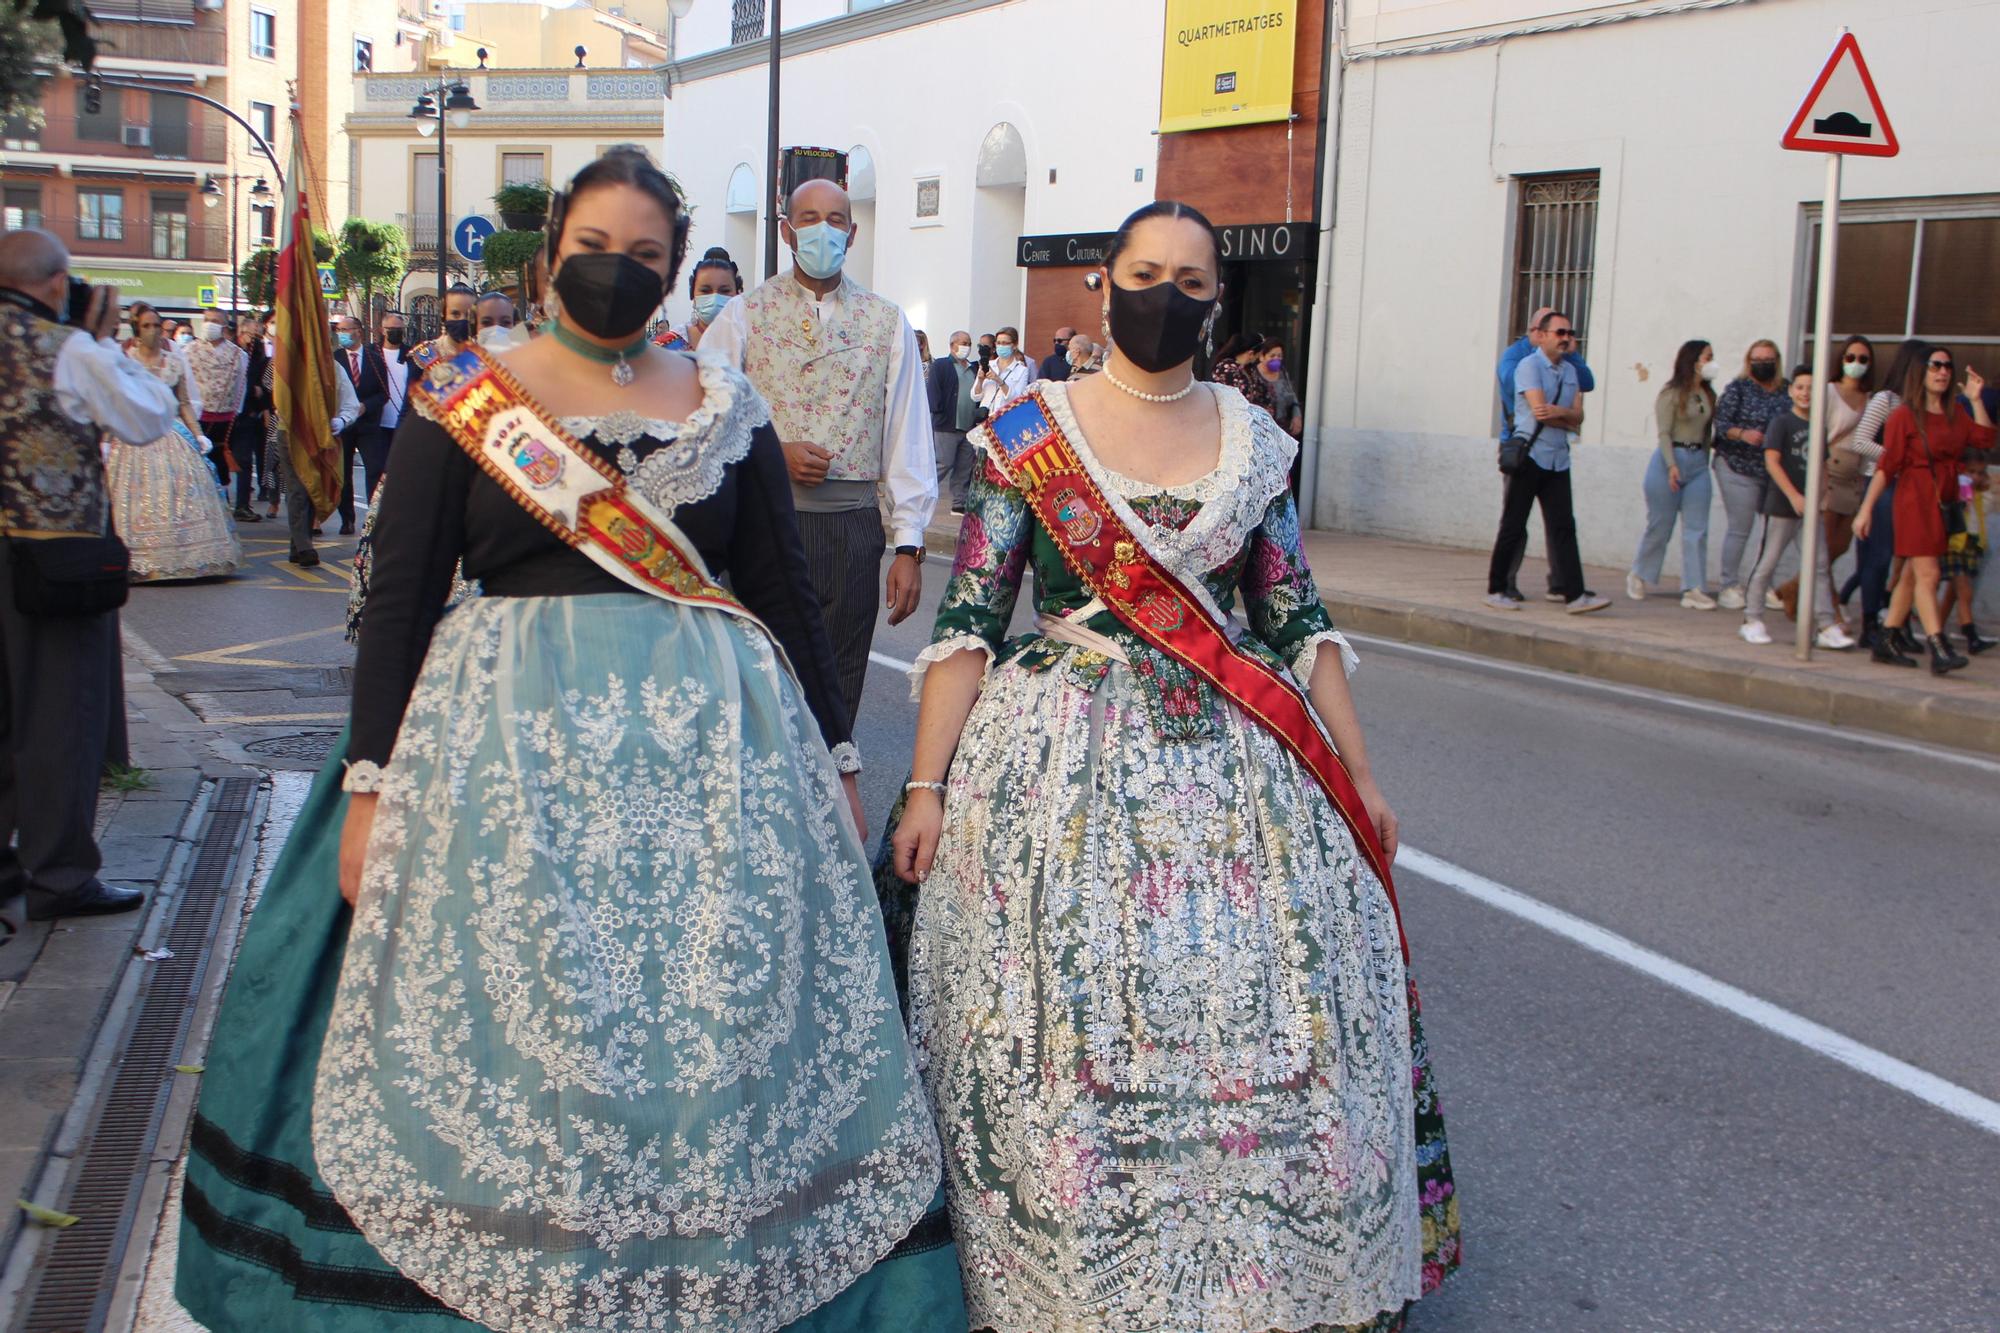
[1155, 981]
[163, 496]
[611, 1041]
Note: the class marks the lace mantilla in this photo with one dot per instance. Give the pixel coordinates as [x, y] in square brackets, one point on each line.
[939, 651]
[364, 775]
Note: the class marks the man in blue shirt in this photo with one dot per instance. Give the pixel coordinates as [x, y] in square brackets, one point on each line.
[1510, 360]
[1548, 391]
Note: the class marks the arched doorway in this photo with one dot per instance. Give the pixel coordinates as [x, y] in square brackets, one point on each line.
[861, 193]
[999, 212]
[739, 223]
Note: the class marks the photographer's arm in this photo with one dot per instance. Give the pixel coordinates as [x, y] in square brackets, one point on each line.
[99, 385]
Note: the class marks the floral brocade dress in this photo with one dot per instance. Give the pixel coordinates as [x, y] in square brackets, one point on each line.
[1155, 989]
[164, 501]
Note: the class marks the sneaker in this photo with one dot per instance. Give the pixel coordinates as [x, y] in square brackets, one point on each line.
[1586, 603]
[1694, 599]
[1773, 602]
[1834, 637]
[1730, 598]
[1515, 596]
[1500, 601]
[1635, 587]
[1753, 631]
[1553, 596]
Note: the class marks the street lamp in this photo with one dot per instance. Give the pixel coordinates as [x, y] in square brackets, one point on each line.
[211, 196]
[453, 99]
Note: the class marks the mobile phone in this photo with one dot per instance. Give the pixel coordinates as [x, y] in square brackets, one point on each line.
[79, 303]
[985, 356]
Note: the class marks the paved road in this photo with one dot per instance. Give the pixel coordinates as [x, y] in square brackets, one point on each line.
[1629, 1157]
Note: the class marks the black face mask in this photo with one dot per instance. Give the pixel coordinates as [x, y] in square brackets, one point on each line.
[1157, 327]
[458, 330]
[609, 296]
[393, 337]
[1764, 371]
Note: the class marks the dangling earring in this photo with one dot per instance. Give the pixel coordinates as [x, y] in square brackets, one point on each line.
[1208, 333]
[1106, 320]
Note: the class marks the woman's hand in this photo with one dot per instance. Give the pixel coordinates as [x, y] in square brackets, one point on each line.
[1673, 477]
[1864, 521]
[354, 842]
[1798, 502]
[1382, 817]
[1751, 436]
[851, 783]
[1974, 385]
[916, 839]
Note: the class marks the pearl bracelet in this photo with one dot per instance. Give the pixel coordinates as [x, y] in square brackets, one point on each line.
[937, 787]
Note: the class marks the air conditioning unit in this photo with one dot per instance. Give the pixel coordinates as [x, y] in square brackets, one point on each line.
[138, 136]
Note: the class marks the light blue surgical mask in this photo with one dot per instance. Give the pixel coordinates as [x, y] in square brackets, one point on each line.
[821, 250]
[1004, 351]
[346, 341]
[708, 305]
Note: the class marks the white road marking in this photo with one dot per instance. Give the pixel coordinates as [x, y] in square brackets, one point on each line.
[1819, 730]
[1948, 1097]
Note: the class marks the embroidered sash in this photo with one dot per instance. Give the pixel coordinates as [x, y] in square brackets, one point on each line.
[1137, 587]
[566, 488]
[424, 355]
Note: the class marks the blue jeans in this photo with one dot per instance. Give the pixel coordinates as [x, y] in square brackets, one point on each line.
[1690, 504]
[1741, 500]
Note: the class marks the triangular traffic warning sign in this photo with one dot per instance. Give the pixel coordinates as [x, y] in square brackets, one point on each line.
[1843, 112]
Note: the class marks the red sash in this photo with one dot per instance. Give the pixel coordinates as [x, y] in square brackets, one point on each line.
[1113, 562]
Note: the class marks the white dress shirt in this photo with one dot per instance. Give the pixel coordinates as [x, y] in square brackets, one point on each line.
[98, 385]
[909, 466]
[399, 385]
[1004, 385]
[347, 407]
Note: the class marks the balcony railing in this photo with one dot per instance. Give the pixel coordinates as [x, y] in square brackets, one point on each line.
[140, 238]
[421, 229]
[172, 44]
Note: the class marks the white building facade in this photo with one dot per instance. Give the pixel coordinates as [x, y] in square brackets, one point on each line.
[1631, 171]
[968, 123]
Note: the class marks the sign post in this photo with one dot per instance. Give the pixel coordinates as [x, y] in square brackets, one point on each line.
[1842, 114]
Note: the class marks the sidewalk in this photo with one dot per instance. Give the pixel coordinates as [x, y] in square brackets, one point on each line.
[69, 990]
[1432, 595]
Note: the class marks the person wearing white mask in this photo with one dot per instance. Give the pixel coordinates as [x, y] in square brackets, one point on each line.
[954, 411]
[840, 369]
[1008, 376]
[496, 321]
[221, 372]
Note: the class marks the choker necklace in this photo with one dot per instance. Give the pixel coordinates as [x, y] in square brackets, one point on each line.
[622, 373]
[1173, 397]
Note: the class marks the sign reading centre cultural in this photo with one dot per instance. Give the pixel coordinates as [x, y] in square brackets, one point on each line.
[1228, 62]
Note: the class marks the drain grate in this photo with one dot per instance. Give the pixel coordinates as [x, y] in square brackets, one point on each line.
[311, 746]
[79, 1266]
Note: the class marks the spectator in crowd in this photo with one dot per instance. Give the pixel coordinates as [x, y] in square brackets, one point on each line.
[1741, 414]
[1924, 440]
[1546, 393]
[1235, 365]
[1876, 568]
[1056, 365]
[711, 285]
[395, 349]
[1965, 547]
[370, 376]
[1270, 368]
[62, 389]
[985, 355]
[1677, 485]
[1009, 374]
[1085, 357]
[220, 369]
[254, 481]
[954, 411]
[923, 347]
[1849, 384]
[1511, 357]
[1787, 448]
[495, 314]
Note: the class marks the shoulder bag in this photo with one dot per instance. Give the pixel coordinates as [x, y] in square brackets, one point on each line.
[60, 578]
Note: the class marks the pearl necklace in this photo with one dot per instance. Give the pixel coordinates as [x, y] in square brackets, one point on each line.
[1173, 397]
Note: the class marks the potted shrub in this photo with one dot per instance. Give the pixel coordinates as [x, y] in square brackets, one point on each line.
[511, 253]
[523, 206]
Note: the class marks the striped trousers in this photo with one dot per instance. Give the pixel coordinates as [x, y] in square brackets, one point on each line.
[844, 561]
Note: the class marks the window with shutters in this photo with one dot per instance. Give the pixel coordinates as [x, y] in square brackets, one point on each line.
[524, 168]
[23, 207]
[170, 226]
[1911, 268]
[1555, 250]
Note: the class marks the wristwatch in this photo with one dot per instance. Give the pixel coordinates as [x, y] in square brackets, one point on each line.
[915, 552]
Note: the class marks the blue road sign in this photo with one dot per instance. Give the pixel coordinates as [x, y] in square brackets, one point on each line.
[468, 237]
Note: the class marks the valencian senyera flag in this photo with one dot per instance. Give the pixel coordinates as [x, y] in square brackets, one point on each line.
[302, 378]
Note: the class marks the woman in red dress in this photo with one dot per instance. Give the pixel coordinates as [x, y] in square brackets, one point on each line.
[1924, 447]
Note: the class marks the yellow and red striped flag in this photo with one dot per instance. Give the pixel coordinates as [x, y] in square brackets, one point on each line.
[302, 378]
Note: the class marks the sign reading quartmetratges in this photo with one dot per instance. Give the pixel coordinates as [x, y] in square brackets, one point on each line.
[1228, 62]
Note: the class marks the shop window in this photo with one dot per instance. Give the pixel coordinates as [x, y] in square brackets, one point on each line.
[1918, 268]
[1555, 251]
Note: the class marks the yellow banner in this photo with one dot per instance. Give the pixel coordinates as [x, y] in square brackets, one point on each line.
[1228, 62]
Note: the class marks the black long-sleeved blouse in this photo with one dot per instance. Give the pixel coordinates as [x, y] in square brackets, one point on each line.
[722, 477]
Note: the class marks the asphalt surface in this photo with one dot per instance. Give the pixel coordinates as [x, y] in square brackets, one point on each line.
[1627, 1156]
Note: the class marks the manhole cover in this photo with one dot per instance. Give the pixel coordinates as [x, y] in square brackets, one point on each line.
[313, 746]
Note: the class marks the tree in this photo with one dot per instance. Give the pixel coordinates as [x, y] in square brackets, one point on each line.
[509, 253]
[374, 256]
[33, 35]
[259, 274]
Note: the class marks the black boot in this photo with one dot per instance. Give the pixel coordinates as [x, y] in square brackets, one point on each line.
[1974, 644]
[1944, 657]
[1885, 650]
[1903, 640]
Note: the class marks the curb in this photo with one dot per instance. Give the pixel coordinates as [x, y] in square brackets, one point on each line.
[1917, 715]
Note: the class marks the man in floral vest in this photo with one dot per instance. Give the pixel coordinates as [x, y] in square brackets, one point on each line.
[839, 367]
